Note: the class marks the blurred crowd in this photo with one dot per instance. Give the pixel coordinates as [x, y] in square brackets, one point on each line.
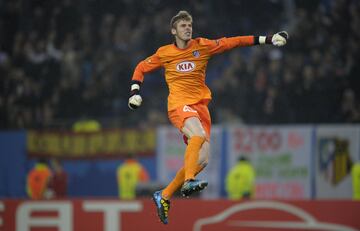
[64, 60]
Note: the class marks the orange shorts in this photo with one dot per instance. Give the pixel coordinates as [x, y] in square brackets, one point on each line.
[200, 110]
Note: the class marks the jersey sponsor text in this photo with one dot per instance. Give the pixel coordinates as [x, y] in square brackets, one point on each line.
[185, 66]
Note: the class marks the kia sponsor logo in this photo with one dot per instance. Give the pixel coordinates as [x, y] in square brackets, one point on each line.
[185, 66]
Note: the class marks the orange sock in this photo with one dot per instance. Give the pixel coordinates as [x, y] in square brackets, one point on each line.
[177, 182]
[192, 156]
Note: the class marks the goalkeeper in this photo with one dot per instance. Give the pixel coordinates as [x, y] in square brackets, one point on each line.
[185, 63]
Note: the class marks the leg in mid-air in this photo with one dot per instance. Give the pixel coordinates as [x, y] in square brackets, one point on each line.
[196, 156]
[195, 160]
[162, 197]
[179, 179]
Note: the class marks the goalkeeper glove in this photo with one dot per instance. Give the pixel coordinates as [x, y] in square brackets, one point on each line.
[279, 39]
[135, 99]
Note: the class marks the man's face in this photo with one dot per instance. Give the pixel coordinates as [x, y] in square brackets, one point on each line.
[183, 30]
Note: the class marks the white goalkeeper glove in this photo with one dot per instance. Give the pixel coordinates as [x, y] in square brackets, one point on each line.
[135, 99]
[279, 39]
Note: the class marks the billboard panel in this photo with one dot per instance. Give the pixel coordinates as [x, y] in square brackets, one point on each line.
[336, 149]
[281, 156]
[204, 215]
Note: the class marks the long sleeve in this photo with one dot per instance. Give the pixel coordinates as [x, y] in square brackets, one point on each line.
[220, 45]
[149, 64]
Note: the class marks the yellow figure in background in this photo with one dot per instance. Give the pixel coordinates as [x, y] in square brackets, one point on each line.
[355, 172]
[86, 125]
[129, 175]
[240, 180]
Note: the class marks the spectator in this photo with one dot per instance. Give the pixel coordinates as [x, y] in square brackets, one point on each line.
[129, 175]
[355, 172]
[87, 125]
[240, 180]
[37, 182]
[53, 71]
[59, 180]
[349, 108]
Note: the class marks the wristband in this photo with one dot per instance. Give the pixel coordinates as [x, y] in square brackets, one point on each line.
[259, 40]
[268, 39]
[135, 87]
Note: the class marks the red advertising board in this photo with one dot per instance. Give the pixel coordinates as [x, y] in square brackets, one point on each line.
[195, 215]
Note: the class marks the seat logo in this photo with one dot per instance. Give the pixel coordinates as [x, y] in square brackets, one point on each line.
[185, 66]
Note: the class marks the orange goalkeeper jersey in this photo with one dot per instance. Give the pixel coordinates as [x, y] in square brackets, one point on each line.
[185, 69]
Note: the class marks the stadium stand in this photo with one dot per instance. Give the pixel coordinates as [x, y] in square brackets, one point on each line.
[64, 60]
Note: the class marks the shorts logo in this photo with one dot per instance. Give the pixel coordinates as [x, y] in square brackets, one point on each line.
[185, 66]
[188, 109]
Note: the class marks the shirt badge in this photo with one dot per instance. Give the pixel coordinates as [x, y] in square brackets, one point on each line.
[196, 54]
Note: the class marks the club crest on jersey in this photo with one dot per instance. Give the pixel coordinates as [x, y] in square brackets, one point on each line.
[185, 66]
[196, 54]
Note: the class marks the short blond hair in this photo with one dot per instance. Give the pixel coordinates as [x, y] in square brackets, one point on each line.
[181, 15]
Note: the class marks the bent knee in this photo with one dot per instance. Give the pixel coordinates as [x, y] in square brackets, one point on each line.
[199, 133]
[193, 127]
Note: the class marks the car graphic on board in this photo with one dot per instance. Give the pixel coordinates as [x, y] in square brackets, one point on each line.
[305, 220]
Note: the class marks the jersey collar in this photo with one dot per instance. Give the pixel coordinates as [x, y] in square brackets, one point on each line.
[186, 48]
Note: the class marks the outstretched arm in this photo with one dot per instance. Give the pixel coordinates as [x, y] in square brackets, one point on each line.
[149, 64]
[224, 44]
